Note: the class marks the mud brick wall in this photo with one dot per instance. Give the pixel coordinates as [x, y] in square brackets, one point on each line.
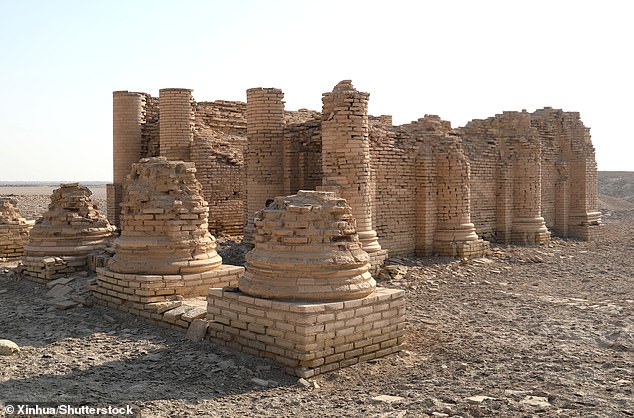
[287, 156]
[302, 151]
[480, 144]
[224, 116]
[565, 140]
[150, 129]
[218, 153]
[393, 162]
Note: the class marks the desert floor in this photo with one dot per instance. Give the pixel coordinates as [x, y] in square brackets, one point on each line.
[526, 331]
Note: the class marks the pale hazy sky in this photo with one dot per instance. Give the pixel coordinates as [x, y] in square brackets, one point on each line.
[60, 61]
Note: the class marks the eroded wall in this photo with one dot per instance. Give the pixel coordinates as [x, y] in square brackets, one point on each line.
[528, 173]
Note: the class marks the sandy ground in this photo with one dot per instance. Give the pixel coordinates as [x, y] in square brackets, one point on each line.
[539, 331]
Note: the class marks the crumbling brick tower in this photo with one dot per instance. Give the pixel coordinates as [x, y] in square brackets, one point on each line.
[346, 159]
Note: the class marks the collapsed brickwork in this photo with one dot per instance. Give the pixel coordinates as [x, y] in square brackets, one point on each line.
[69, 233]
[165, 251]
[422, 188]
[14, 229]
[307, 300]
[307, 248]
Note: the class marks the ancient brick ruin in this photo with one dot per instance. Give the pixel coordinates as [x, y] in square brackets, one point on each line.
[14, 229]
[165, 251]
[67, 237]
[307, 299]
[420, 188]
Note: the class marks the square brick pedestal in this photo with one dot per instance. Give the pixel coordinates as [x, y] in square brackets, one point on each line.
[308, 338]
[138, 292]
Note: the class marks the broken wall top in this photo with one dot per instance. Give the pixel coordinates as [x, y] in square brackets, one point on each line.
[9, 213]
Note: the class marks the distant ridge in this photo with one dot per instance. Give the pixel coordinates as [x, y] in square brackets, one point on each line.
[50, 183]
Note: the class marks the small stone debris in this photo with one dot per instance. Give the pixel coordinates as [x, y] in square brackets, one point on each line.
[260, 382]
[197, 330]
[301, 382]
[387, 398]
[60, 281]
[64, 304]
[59, 291]
[479, 398]
[109, 319]
[8, 348]
[537, 401]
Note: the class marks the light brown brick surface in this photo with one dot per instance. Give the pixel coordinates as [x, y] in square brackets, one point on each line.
[304, 342]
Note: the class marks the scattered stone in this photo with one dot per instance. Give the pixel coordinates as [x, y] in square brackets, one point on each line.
[304, 383]
[161, 307]
[537, 401]
[260, 382]
[109, 318]
[8, 347]
[2, 291]
[387, 398]
[479, 398]
[64, 304]
[59, 291]
[80, 299]
[60, 281]
[197, 330]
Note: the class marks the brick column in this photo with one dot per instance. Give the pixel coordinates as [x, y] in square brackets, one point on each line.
[128, 116]
[528, 224]
[562, 201]
[455, 234]
[346, 155]
[504, 201]
[425, 204]
[264, 152]
[176, 124]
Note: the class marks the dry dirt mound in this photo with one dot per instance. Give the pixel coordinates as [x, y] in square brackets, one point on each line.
[609, 203]
[619, 184]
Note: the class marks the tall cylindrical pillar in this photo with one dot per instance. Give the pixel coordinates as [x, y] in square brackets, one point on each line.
[128, 116]
[176, 123]
[346, 155]
[264, 152]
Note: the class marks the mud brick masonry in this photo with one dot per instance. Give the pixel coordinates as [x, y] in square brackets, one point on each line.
[419, 188]
[165, 252]
[14, 229]
[307, 299]
[67, 237]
